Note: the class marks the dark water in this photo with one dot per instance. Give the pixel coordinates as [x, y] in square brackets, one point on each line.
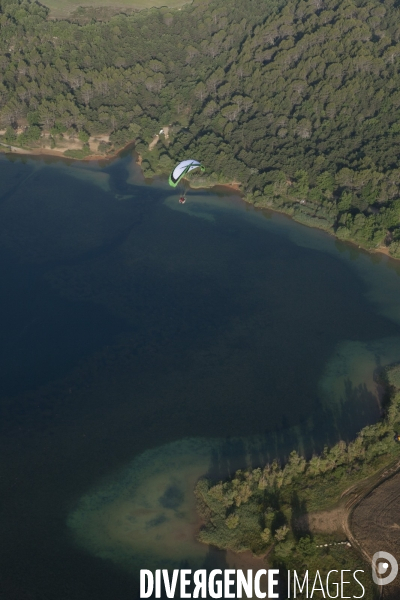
[127, 324]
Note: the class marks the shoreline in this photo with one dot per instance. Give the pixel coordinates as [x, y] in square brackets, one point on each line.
[380, 250]
[233, 186]
[16, 150]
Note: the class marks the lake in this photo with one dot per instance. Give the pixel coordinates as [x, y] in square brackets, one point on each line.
[145, 344]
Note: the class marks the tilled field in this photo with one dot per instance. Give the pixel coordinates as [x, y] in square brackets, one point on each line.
[375, 524]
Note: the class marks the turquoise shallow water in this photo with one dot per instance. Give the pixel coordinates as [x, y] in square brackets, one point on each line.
[145, 343]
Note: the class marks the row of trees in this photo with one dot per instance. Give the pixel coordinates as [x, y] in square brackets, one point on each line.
[298, 101]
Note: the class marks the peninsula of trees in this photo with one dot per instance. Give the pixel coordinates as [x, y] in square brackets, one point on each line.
[299, 101]
[260, 510]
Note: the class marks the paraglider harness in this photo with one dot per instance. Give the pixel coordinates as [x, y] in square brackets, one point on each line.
[182, 200]
[396, 437]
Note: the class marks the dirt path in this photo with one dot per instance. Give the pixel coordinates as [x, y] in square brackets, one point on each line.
[165, 131]
[154, 142]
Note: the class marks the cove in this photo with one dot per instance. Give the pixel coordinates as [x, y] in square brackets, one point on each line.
[146, 344]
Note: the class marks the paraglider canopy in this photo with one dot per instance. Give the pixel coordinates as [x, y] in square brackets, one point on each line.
[182, 169]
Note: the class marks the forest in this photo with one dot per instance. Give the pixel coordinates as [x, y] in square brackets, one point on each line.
[260, 509]
[299, 102]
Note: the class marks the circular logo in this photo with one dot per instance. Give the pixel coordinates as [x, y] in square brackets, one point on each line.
[382, 563]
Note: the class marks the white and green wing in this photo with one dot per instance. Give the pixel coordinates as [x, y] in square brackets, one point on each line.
[182, 169]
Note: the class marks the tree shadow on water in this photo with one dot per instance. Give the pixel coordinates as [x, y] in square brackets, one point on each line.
[359, 407]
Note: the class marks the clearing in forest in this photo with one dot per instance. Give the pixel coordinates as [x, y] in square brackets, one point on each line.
[60, 9]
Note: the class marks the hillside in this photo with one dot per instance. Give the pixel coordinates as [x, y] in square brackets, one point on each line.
[300, 102]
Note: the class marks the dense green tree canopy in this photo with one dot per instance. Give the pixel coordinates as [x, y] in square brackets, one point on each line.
[300, 102]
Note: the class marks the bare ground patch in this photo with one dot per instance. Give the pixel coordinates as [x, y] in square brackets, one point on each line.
[324, 521]
[61, 9]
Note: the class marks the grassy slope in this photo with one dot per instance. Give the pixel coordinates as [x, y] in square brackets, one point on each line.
[63, 8]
